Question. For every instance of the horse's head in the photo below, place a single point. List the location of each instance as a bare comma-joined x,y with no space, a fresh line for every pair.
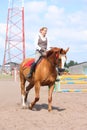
60,56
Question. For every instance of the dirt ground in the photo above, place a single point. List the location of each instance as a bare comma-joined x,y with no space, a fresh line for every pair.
69,109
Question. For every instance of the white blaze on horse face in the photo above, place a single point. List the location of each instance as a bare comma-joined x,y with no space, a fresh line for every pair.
63,59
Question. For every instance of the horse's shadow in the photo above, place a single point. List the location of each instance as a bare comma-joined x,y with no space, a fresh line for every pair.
38,107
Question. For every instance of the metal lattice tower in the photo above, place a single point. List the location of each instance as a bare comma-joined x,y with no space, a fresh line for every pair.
15,36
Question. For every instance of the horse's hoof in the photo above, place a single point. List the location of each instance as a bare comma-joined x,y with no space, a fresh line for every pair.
25,107
49,109
30,107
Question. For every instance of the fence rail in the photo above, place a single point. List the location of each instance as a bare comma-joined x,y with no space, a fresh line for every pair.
74,79
70,79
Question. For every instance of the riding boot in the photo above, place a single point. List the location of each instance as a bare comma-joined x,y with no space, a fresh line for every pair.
31,70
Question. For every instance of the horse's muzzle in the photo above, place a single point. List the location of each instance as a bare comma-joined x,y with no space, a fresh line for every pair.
61,70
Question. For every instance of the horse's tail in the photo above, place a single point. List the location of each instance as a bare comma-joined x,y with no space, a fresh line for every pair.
21,73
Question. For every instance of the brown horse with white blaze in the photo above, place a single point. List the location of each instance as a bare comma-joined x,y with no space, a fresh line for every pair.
45,74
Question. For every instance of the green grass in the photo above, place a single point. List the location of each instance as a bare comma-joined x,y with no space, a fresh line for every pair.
5,76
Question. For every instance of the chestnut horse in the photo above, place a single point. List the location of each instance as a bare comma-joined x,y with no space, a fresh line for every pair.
45,74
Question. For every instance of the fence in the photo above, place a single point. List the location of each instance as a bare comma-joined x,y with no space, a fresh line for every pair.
70,79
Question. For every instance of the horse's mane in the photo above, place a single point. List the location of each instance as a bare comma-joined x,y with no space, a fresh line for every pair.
51,51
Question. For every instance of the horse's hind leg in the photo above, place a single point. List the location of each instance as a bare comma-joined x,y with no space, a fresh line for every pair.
23,92
28,88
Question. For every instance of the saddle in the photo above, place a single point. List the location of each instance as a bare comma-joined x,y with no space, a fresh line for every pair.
31,61
28,63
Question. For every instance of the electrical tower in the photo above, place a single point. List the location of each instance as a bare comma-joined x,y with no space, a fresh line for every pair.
15,36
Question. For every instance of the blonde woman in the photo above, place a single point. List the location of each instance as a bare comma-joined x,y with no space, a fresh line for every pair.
41,45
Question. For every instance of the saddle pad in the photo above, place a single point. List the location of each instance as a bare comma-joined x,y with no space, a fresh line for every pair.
28,63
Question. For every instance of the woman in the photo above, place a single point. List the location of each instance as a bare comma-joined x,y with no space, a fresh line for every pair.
40,49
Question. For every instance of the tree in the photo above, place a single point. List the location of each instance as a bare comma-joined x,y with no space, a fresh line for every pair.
71,63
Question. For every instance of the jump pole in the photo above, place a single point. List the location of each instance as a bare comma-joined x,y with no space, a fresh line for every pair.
58,89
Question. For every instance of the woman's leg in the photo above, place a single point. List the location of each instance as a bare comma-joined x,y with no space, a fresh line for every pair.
37,56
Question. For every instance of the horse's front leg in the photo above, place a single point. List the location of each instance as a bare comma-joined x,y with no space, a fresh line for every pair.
37,90
50,91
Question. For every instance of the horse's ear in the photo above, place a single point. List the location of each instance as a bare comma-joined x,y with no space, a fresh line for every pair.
61,50
67,49
49,53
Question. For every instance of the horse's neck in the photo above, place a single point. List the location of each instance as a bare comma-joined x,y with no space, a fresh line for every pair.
52,60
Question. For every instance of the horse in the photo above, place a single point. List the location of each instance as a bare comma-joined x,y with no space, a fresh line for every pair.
45,74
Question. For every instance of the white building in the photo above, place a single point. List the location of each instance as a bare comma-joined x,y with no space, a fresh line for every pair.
80,68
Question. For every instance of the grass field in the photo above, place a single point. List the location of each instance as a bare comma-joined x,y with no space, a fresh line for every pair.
5,76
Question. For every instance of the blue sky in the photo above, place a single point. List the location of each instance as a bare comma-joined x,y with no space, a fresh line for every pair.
66,21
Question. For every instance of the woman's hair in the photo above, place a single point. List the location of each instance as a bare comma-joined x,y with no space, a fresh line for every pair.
41,29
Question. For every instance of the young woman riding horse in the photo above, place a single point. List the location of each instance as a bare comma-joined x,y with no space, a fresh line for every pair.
45,74
41,44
